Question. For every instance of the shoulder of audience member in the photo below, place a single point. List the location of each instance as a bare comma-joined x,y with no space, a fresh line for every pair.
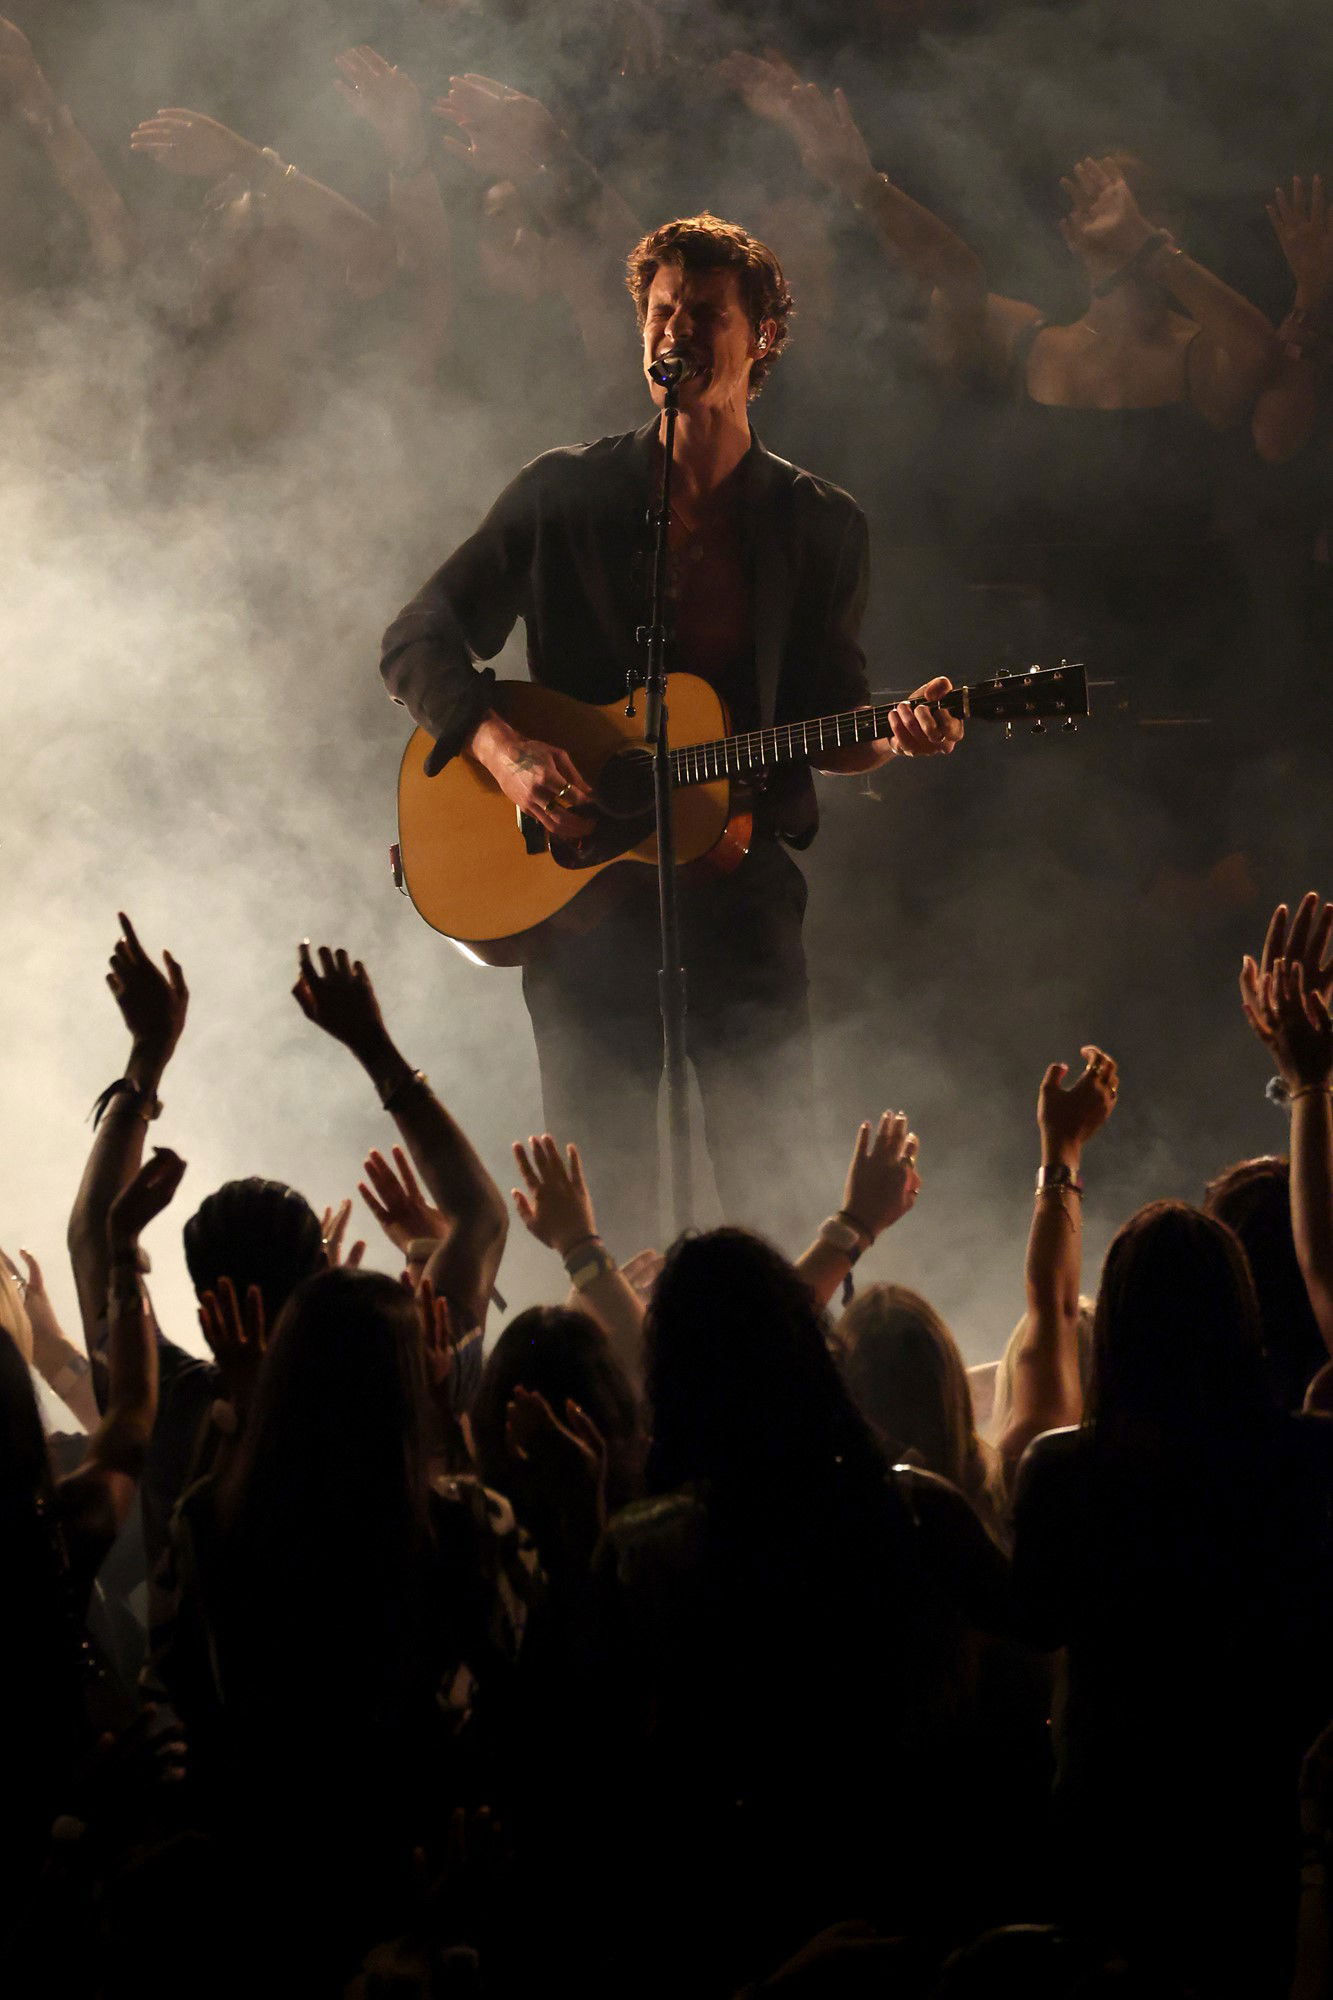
1050,1460
934,1502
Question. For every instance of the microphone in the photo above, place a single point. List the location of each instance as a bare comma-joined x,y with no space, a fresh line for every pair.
673,366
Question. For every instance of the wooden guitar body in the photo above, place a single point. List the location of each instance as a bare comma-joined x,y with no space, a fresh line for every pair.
476,872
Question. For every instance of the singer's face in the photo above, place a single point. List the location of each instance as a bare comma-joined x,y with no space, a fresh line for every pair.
701,312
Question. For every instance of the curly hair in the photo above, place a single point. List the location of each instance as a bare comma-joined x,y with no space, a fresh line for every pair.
706,243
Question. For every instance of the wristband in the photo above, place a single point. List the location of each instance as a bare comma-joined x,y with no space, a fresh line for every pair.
1310,1090
70,1375
845,1236
1151,244
141,1101
417,1080
1059,1176
588,1262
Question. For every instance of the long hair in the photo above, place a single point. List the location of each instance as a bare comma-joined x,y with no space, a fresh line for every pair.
1253,1198
255,1232
561,1354
1175,1341
331,1481
746,1398
906,1376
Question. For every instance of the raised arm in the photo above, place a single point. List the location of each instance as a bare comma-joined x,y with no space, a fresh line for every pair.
153,1002
78,170
1046,1388
95,1499
64,1367
390,102
1236,350
834,151
555,1206
1285,998
508,137
1284,416
336,994
358,251
882,1184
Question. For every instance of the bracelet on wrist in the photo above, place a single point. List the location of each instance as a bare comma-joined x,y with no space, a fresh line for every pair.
133,1095
1155,240
1310,1090
415,1080
1058,1177
587,1262
843,1234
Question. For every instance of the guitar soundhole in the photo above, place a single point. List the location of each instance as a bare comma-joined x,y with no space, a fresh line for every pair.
625,787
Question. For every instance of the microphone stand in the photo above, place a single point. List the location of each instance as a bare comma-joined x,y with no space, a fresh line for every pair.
671,989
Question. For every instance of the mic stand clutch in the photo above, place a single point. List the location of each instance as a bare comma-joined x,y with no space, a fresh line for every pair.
671,988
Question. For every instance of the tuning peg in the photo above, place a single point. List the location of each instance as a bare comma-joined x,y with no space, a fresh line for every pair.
1008,732
1069,727
1039,727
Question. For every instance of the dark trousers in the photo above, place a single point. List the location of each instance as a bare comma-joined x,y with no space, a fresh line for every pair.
593,999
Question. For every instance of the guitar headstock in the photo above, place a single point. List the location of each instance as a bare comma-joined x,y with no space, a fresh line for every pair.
1035,694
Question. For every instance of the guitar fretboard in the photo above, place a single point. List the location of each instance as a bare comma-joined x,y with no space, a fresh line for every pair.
734,756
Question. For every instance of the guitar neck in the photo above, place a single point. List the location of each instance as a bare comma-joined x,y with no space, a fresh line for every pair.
759,749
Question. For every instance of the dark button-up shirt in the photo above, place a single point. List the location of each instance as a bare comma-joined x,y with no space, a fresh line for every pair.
567,546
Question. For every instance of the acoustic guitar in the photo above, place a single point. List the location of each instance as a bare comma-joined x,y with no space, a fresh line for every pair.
491,879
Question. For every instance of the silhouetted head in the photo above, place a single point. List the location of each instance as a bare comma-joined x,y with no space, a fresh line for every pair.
25,1471
254,1232
1253,1198
908,1380
1175,1345
562,1355
744,1392
337,1447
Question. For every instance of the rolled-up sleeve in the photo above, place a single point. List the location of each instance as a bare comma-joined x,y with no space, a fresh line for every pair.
463,615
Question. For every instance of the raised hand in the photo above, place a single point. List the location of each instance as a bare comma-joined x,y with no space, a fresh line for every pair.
1294,1023
506,136
557,1206
1302,940
883,1180
395,1200
918,729
642,1271
152,1188
153,1003
1302,226
1068,1118
564,1452
823,128
1105,222
437,1340
36,1299
236,1336
21,74
388,99
338,997
332,1229
188,142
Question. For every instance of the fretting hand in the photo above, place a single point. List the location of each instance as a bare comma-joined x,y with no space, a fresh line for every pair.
153,1004
1304,228
883,1179
1067,1119
557,1207
190,143
919,729
388,99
